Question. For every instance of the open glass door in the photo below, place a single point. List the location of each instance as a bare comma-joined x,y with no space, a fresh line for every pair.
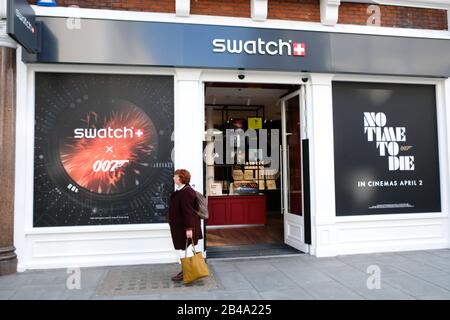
292,115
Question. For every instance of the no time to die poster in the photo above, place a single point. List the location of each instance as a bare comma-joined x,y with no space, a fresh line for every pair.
102,149
385,148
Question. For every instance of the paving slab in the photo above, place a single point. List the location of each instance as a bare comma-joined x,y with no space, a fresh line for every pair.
7,294
331,290
263,281
188,296
416,287
306,277
287,294
233,281
237,295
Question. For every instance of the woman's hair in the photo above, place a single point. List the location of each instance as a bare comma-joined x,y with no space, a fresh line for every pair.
184,175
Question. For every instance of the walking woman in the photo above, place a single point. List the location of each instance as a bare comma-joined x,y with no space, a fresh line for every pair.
184,222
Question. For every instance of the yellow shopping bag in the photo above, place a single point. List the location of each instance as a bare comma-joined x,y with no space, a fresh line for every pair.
193,267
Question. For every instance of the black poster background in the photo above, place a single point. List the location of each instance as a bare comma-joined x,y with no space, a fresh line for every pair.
67,192
357,159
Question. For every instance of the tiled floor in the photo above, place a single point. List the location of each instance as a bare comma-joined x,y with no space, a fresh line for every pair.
404,275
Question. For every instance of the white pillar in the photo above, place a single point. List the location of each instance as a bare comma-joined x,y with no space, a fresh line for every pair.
3,9
329,12
448,18
323,208
189,124
447,116
182,8
259,10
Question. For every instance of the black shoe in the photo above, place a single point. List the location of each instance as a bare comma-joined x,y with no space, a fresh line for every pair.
178,277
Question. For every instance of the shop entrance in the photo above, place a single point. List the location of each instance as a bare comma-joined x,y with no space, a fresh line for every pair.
254,170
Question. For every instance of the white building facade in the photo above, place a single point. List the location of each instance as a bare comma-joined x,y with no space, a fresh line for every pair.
332,231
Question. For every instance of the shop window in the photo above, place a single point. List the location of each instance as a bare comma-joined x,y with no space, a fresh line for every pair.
385,148
102,149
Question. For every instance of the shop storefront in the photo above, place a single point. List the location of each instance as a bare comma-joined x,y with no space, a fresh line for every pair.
110,106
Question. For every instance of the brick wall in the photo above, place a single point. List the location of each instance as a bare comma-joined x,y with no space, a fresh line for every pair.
297,10
230,8
393,16
133,5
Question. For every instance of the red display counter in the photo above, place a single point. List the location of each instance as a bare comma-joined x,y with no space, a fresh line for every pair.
234,210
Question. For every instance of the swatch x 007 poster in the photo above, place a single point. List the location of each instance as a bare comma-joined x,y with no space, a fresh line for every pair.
102,149
385,148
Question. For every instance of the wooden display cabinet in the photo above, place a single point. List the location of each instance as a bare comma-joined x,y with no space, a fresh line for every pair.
237,210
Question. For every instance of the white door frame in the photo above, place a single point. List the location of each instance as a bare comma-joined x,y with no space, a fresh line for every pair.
294,225
293,78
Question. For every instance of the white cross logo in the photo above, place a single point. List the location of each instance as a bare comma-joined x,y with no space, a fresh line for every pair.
299,49
109,149
139,133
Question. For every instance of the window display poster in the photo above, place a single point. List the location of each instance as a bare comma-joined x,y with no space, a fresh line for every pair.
102,149
385,148
238,123
254,122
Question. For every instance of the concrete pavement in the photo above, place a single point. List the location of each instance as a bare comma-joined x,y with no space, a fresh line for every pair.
402,275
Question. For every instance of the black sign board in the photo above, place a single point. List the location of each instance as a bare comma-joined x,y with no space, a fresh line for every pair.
145,43
385,148
21,25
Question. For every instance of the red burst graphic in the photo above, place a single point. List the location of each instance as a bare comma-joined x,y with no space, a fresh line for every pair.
108,164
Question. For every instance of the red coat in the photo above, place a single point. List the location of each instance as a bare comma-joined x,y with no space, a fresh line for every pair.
182,217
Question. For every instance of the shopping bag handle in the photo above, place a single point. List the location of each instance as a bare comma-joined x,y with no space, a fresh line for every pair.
193,243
